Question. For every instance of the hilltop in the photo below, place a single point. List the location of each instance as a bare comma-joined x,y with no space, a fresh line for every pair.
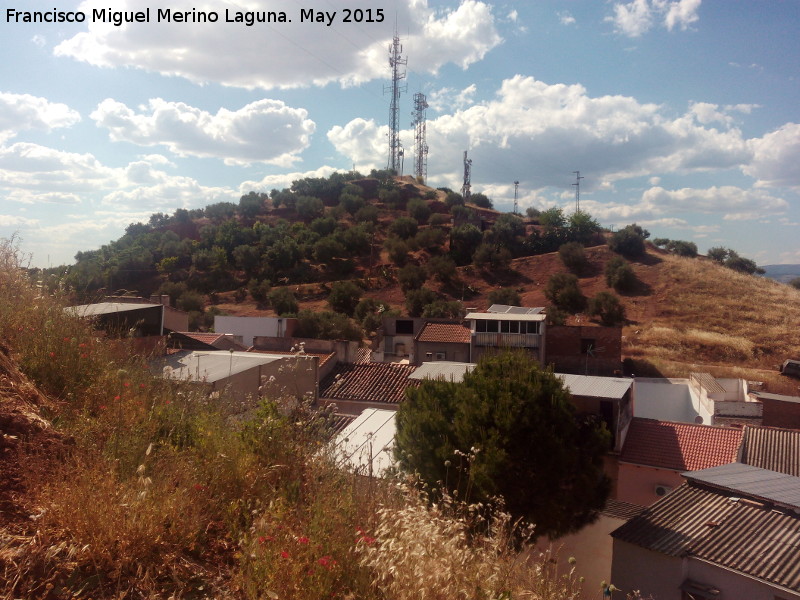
284,252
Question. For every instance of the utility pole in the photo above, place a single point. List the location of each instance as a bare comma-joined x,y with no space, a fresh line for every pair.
516,204
397,63
420,143
465,189
577,185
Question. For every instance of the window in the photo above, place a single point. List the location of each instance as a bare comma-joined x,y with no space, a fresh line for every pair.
404,327
441,356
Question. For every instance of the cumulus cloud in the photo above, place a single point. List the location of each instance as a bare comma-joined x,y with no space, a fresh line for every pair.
732,202
283,180
776,156
263,131
23,111
16,221
546,131
566,18
635,18
285,55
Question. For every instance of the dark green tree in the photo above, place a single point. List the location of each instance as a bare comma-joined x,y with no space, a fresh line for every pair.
411,277
573,256
444,309
464,240
481,200
508,296
282,301
508,430
607,307
563,291
344,297
583,228
795,283
629,241
417,300
620,275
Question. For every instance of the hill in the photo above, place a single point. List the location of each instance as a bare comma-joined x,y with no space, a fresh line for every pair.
285,252
782,273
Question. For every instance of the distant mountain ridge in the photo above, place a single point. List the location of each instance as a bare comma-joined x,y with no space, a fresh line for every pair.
782,273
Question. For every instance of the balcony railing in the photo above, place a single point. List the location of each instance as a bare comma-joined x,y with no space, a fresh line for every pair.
507,340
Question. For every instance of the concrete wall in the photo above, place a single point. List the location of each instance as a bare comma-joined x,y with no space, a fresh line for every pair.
453,352
250,327
668,400
564,349
636,483
735,585
778,413
652,573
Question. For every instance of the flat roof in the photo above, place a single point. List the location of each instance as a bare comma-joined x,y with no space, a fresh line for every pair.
515,310
366,446
211,365
504,317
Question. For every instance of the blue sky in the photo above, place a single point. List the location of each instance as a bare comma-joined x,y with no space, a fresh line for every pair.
681,115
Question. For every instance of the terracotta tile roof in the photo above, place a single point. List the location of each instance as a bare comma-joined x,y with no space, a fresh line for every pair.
453,333
772,448
372,382
206,338
679,446
363,356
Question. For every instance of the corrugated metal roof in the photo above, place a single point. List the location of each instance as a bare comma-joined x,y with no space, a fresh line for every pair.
504,317
366,445
213,365
676,522
707,381
772,448
108,308
447,370
771,486
621,510
515,310
592,386
779,397
679,446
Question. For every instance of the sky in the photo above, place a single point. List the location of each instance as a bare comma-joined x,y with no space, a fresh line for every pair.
680,115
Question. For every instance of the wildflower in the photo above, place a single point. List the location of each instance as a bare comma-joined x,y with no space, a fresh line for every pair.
52,355
102,407
302,540
117,397
284,554
83,355
142,386
127,384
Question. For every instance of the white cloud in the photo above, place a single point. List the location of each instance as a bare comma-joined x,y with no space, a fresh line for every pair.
23,111
363,142
566,18
286,55
446,99
284,180
16,221
635,18
776,156
263,131
732,202
168,194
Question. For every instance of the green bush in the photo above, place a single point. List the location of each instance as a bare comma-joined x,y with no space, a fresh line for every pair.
419,210
411,277
404,228
629,241
282,301
416,300
563,291
573,256
508,296
344,297
607,307
620,275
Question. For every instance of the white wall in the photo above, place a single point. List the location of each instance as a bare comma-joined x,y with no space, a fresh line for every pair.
249,327
668,400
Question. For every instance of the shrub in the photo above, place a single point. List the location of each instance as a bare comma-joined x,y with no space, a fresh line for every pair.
454,199
351,202
430,239
411,277
327,249
481,200
327,325
464,240
442,268
416,300
573,256
309,208
629,241
508,296
607,307
682,248
620,275
419,210
404,228
443,309
344,297
367,214
259,290
493,257
282,301
563,291
397,250
718,254
437,219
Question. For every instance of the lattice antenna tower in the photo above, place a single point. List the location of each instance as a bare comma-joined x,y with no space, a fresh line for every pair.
577,185
516,203
397,63
420,143
465,189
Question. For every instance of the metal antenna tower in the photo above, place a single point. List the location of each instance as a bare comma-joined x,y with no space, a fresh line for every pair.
397,63
465,189
577,185
421,145
516,204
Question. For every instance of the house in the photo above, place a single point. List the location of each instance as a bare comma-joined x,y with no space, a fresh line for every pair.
584,349
779,410
655,453
701,398
243,376
247,328
355,387
395,339
442,341
771,448
731,531
507,327
366,445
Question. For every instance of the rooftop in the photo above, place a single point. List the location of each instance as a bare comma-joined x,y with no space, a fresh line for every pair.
746,480
212,365
366,445
679,446
772,448
447,370
515,310
712,525
108,308
370,382
454,333
476,316
592,386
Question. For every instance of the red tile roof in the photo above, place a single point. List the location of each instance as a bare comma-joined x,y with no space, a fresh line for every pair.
679,446
444,332
372,382
206,338
323,357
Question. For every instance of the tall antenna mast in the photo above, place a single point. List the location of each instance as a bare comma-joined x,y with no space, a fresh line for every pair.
465,189
397,63
421,145
577,185
516,204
